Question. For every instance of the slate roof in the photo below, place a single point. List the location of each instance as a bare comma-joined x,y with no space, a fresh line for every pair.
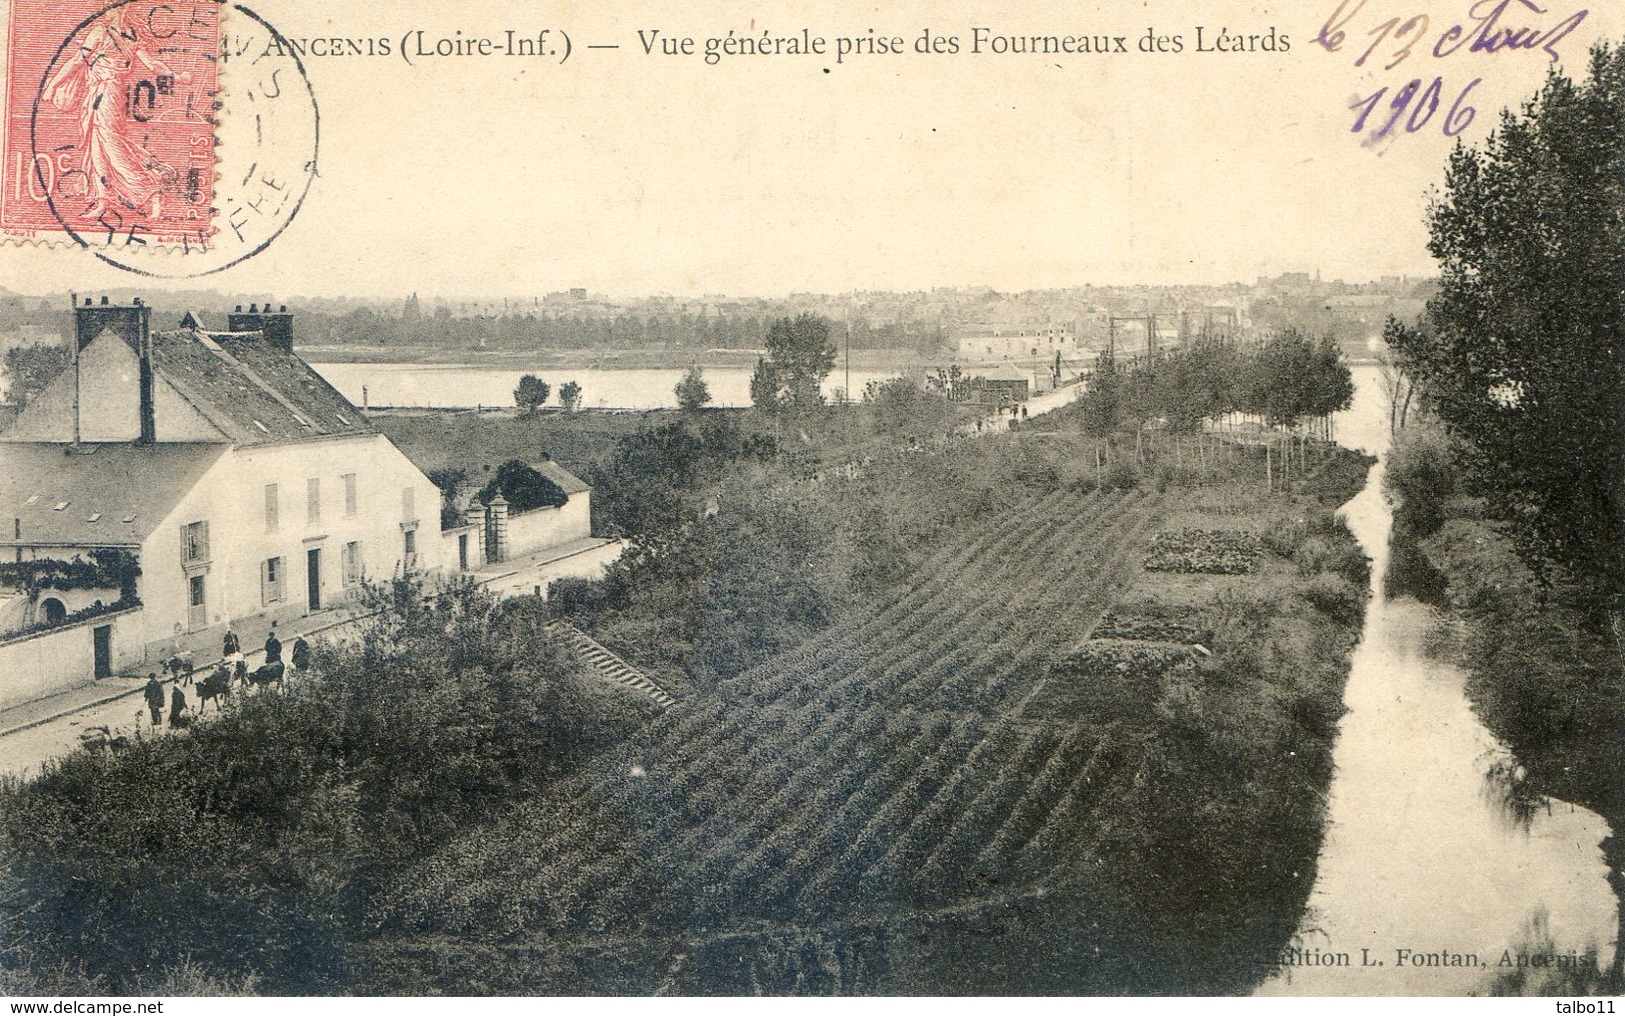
126,489
1005,372
568,482
253,391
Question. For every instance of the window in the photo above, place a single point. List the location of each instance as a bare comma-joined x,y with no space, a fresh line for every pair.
349,496
271,507
272,573
195,542
352,563
194,589
409,509
313,500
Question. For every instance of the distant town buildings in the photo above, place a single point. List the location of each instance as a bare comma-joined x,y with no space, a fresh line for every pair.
984,344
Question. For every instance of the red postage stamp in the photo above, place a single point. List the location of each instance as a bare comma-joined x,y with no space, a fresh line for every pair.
110,121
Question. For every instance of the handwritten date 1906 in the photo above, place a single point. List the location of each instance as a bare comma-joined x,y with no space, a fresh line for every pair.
1422,103
1491,26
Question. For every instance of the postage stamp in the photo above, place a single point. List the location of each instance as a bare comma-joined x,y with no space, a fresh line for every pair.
110,121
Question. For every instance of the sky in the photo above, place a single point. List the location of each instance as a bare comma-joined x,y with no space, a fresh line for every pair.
631,174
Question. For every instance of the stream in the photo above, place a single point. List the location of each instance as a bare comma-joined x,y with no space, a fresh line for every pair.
1430,881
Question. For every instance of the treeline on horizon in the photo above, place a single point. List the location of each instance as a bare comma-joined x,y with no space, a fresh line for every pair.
893,323
365,326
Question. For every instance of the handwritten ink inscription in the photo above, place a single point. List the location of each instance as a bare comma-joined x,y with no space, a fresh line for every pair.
1490,28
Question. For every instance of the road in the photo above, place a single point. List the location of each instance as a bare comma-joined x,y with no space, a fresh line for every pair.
23,753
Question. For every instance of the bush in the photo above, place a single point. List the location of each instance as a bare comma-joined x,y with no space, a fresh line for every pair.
1120,474
249,846
1335,597
523,488
1421,479
1341,557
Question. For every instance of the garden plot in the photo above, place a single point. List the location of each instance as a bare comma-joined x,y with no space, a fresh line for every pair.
1152,621
1205,551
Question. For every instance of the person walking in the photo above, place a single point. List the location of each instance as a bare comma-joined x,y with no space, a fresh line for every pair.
231,644
301,653
273,646
177,707
154,694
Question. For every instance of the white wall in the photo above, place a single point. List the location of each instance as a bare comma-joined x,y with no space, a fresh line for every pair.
1017,345
541,528
63,658
476,546
231,498
109,402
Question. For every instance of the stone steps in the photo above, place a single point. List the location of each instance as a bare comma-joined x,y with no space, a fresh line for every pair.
592,653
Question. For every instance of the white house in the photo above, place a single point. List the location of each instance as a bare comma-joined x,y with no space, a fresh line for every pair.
1030,343
241,481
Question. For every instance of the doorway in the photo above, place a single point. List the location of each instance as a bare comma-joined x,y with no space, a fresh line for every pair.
197,603
101,640
313,578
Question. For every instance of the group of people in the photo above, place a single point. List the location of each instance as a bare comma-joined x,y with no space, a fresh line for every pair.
231,649
231,652
1017,412
154,693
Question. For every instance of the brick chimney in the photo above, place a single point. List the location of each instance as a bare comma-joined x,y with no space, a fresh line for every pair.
275,325
133,323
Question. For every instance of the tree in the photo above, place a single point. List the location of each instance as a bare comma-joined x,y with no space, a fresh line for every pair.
896,402
767,391
1398,387
30,368
802,355
1283,378
531,393
523,488
692,392
1102,397
1519,353
1333,383
570,396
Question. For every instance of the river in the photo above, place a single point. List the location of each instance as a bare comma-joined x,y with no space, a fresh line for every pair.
1421,852
419,384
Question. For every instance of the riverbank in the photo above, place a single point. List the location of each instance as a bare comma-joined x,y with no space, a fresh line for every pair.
631,358
1544,665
